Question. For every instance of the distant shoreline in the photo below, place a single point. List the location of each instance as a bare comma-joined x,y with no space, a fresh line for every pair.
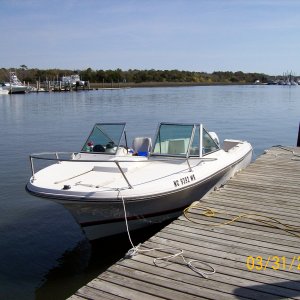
160,84
138,78
124,85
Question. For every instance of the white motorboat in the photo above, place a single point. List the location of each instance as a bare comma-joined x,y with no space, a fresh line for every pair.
3,92
14,86
152,184
72,80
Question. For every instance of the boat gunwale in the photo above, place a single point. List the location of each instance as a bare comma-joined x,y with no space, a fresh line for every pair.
137,198
171,156
116,162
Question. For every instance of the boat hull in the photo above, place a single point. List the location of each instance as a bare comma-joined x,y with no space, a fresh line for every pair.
3,92
105,217
15,89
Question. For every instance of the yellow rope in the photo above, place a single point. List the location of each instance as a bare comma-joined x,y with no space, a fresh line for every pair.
270,221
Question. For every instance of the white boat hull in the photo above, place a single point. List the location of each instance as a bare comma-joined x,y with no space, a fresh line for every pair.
14,86
15,89
101,214
3,92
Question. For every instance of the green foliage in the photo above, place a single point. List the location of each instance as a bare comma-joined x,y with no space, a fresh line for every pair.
136,76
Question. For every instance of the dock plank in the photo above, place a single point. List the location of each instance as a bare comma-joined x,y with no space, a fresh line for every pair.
270,186
111,284
233,209
217,283
88,292
251,234
143,285
227,265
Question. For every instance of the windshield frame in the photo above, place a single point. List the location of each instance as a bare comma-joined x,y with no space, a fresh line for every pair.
157,137
122,133
197,130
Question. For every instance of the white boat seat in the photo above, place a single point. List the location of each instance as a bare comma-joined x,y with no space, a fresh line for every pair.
142,144
176,147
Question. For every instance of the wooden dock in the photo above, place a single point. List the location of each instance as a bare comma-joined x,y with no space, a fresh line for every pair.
268,187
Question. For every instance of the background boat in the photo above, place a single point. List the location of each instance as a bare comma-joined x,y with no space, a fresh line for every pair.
3,91
14,86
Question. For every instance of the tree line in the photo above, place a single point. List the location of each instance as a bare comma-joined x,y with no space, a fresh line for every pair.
135,76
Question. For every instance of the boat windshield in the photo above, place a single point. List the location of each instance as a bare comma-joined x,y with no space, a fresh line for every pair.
173,139
104,138
184,140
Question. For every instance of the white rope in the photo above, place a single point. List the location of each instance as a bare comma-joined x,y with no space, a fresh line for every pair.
135,250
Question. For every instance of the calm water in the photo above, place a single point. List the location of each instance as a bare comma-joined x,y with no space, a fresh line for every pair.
43,253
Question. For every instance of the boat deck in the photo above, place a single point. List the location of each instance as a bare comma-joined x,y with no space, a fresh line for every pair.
269,187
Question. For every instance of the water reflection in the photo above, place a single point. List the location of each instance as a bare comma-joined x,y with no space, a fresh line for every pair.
86,261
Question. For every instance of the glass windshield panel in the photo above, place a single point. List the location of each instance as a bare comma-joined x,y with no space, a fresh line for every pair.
104,138
173,139
194,150
209,145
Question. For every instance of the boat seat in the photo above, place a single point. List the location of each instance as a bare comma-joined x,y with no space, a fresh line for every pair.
98,148
142,145
176,147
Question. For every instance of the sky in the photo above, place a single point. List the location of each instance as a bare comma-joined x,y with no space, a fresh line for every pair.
193,35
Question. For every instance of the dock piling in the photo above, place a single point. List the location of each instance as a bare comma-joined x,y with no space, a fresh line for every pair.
298,141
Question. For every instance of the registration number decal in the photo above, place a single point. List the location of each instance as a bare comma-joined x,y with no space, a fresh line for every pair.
184,180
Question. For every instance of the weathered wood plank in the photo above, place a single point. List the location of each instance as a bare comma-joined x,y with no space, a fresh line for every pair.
210,243
120,287
267,202
238,231
221,264
140,283
232,257
174,282
197,233
199,287
76,297
264,187
231,269
225,281
256,193
218,258
232,209
241,224
88,292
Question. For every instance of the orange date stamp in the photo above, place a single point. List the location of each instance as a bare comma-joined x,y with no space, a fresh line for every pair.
275,262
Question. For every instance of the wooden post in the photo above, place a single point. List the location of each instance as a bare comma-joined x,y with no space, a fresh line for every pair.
298,142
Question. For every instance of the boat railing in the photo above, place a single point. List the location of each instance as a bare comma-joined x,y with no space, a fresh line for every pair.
58,159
